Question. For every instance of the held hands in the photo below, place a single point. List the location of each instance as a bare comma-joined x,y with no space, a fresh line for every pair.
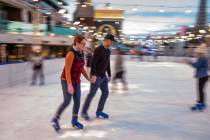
70,89
93,79
88,78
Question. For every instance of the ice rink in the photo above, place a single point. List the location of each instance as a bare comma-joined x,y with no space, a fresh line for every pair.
156,107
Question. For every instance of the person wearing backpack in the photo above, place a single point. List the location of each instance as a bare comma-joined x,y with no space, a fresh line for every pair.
70,81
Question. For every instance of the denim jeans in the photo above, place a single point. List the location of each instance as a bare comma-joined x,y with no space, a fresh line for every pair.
102,83
67,98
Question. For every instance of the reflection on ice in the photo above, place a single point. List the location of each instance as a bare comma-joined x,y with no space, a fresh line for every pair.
89,133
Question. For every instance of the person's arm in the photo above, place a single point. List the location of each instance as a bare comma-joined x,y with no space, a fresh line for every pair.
109,69
95,59
84,73
68,64
199,63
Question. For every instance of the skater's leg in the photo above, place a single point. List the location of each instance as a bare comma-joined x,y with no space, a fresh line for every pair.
41,72
200,105
76,98
93,89
34,77
105,92
125,86
66,97
202,83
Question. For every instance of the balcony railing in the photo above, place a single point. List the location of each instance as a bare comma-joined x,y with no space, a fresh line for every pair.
26,28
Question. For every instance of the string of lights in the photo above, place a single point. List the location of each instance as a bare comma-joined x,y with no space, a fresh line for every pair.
148,6
142,21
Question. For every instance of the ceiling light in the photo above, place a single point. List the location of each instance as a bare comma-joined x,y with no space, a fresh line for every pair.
73,28
82,18
85,28
161,10
60,3
202,31
76,23
192,26
172,26
62,11
91,31
188,11
135,9
109,7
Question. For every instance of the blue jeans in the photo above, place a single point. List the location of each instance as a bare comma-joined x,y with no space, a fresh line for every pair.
67,98
102,83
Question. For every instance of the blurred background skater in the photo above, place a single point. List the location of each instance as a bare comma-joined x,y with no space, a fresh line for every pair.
155,56
119,71
71,83
206,44
140,53
201,74
37,67
88,57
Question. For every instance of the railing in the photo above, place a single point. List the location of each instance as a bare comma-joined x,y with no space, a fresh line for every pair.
63,31
21,27
3,25
27,28
17,54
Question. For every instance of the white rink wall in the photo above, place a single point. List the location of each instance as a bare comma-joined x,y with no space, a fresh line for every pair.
13,74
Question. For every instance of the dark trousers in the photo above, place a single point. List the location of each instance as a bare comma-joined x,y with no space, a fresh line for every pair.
36,73
201,85
102,83
67,98
119,75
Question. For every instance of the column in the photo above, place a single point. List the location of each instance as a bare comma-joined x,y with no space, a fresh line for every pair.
24,16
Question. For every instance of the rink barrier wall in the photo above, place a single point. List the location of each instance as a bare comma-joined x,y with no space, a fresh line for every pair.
14,74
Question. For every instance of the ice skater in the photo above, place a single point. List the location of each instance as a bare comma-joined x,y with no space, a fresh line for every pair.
37,67
201,66
100,65
70,81
119,71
